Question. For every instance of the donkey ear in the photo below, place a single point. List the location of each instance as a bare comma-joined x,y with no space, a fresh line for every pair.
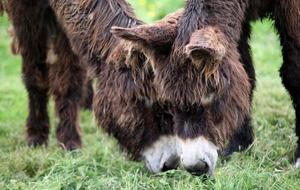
161,33
131,34
147,35
208,43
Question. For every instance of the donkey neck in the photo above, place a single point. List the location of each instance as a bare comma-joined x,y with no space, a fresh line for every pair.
87,24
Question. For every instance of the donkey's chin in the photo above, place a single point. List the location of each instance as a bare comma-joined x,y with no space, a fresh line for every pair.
198,156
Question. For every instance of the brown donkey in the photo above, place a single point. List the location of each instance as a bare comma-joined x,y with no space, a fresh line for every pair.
123,105
163,108
208,33
232,18
208,100
163,128
49,67
165,116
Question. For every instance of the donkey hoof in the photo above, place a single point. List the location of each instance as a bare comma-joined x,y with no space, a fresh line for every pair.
71,145
37,140
68,137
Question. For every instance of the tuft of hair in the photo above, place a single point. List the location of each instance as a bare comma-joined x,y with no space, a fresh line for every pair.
188,23
15,48
207,49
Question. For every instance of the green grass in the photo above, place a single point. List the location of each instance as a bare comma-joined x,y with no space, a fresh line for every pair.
101,165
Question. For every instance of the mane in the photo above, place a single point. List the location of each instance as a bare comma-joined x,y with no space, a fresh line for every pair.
88,24
188,23
108,13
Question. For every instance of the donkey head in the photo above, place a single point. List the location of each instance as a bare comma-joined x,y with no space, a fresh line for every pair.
207,90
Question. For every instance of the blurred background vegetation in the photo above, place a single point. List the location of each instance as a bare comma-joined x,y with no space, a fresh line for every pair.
150,10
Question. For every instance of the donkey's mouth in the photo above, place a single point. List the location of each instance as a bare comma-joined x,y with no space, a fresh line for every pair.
198,156
161,155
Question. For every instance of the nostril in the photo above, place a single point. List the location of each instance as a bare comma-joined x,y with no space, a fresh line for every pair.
200,168
171,164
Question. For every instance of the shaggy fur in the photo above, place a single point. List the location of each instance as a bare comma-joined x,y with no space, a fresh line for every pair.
49,67
137,100
51,64
122,102
203,102
233,17
130,106
227,17
51,60
144,90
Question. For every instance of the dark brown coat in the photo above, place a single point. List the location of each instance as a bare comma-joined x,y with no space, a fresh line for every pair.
233,18
212,97
136,100
49,67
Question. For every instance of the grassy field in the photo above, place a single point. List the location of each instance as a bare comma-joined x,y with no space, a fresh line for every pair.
101,165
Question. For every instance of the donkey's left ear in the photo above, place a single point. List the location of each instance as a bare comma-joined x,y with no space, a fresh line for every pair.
207,43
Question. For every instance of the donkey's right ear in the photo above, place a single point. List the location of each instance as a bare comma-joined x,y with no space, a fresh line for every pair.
160,35
149,36
130,34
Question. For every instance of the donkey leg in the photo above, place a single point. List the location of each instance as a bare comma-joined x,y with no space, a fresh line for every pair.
245,136
67,81
35,76
290,73
87,102
32,39
287,21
